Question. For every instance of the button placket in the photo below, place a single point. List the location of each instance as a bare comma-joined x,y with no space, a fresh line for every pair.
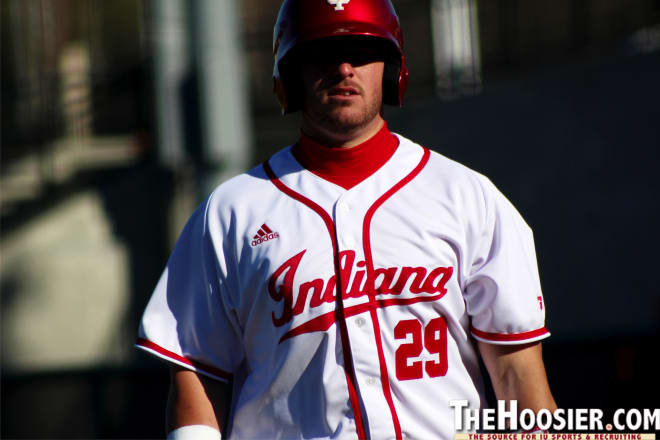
348,220
343,224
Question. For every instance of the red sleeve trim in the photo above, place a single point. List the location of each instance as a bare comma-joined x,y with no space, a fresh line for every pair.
202,367
511,337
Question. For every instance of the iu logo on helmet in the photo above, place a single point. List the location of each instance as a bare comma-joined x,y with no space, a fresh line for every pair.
338,4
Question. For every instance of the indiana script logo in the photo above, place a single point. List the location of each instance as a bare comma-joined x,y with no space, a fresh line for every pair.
381,282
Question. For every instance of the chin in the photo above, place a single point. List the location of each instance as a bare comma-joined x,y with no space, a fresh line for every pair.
344,126
346,120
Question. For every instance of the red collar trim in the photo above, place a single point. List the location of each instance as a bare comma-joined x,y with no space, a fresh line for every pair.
346,167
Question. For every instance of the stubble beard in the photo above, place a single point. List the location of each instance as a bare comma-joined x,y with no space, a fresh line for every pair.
342,119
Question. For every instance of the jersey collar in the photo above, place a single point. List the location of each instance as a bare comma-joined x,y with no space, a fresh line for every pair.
346,167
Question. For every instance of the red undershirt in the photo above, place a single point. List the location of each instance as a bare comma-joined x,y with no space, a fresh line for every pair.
346,167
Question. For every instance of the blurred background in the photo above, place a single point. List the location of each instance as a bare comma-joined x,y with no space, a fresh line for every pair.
119,116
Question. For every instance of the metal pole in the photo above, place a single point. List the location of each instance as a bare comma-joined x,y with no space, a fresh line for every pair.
455,30
171,64
226,131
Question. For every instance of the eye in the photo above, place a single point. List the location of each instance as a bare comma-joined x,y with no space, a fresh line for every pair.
333,58
332,53
362,56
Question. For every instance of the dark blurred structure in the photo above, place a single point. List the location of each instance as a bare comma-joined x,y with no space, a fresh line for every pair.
555,100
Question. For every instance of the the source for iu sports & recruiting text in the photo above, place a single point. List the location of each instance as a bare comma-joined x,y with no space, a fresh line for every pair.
506,422
555,436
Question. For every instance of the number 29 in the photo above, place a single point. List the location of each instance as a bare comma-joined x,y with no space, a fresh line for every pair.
433,338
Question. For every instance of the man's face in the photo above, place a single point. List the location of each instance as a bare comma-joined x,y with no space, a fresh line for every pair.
343,86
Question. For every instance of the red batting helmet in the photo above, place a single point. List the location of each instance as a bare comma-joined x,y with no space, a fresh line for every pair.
303,21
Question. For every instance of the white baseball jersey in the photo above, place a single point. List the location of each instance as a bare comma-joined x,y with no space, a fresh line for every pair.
427,254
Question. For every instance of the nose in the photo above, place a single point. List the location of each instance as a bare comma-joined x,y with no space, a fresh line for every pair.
345,69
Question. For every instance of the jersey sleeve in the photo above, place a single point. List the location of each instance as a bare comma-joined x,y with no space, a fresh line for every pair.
502,291
190,319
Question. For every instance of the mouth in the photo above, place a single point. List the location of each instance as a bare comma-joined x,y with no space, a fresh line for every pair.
342,92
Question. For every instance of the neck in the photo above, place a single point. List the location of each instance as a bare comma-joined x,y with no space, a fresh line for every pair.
348,139
346,167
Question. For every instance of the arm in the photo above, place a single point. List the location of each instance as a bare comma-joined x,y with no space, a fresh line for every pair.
196,400
517,373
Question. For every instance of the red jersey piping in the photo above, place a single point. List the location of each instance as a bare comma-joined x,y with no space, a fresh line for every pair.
165,353
349,370
339,314
366,239
510,337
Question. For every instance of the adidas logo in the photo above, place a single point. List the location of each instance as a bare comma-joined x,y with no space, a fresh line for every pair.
264,234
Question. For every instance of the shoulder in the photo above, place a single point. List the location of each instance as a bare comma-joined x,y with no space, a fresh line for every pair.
447,176
248,189
472,196
230,209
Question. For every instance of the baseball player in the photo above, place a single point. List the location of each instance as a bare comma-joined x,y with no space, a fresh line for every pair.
346,287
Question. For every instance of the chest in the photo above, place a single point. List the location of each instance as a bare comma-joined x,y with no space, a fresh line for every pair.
370,250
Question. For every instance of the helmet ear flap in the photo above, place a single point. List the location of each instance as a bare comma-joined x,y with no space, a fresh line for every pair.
395,81
402,84
280,92
395,75
288,86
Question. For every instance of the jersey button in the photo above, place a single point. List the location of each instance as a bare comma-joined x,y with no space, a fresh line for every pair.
371,380
345,207
360,321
